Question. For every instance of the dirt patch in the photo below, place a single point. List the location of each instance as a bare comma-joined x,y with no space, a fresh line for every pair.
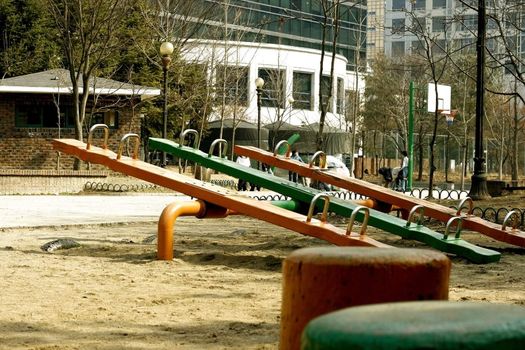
222,290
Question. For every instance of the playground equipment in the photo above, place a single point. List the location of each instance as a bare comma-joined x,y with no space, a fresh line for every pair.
406,229
208,193
436,211
318,280
414,325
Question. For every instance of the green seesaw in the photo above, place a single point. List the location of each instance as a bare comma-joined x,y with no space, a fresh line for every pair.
449,242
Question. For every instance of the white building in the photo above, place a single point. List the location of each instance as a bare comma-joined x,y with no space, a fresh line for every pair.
292,81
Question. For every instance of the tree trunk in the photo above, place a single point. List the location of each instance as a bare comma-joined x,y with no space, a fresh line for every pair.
431,157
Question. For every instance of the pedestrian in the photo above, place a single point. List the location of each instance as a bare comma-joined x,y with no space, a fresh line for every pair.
291,175
404,171
242,185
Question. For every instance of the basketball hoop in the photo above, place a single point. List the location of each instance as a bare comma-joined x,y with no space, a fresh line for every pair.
450,115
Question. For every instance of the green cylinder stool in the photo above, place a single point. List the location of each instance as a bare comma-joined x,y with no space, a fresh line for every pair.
419,325
320,280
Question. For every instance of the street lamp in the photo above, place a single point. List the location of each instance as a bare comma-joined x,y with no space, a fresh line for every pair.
290,104
259,83
478,187
166,49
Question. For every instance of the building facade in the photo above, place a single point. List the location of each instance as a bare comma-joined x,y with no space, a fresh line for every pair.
292,82
375,36
281,41
36,108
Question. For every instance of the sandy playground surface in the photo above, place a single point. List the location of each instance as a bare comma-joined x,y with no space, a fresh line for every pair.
222,290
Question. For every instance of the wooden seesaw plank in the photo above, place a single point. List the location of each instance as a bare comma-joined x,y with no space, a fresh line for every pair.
433,210
213,194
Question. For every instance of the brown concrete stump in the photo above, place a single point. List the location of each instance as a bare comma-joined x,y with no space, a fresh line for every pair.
323,279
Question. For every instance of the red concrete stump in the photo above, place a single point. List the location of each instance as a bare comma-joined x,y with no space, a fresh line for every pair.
324,279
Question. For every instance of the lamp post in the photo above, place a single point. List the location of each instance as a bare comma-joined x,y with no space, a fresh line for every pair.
259,83
478,188
290,104
166,49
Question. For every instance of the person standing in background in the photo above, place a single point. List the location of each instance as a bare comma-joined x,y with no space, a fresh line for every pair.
291,175
404,171
242,185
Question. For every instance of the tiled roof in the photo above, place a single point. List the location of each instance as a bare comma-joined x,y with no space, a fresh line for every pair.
58,81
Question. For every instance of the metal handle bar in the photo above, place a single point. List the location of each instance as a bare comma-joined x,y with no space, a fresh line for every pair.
215,142
352,219
322,159
450,222
279,144
462,205
324,215
507,218
90,135
189,131
419,209
135,149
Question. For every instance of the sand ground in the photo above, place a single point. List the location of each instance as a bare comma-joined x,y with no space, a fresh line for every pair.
222,290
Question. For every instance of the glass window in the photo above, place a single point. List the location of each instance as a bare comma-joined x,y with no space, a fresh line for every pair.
340,104
419,5
466,3
295,4
417,47
232,85
439,4
302,90
509,68
398,5
43,116
439,47
398,48
469,23
273,90
419,24
398,25
110,118
439,24
468,44
28,116
326,91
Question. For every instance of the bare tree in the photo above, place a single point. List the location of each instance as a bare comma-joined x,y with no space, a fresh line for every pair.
89,37
506,26
434,52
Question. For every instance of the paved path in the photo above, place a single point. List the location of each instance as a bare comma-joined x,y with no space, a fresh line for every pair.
34,211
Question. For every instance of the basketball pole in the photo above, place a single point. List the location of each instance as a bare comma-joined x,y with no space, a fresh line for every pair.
410,135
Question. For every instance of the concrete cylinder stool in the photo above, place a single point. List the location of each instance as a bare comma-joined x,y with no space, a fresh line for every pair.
419,325
324,279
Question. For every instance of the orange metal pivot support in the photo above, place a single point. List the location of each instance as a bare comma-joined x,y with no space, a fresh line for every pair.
198,208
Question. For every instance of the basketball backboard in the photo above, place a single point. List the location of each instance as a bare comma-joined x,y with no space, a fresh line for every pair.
443,102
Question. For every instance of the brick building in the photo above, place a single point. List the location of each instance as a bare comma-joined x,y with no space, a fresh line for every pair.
36,108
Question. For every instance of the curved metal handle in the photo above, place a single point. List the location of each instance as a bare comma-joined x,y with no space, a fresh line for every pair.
324,215
462,205
279,144
322,159
215,142
90,135
352,219
450,222
186,132
507,218
135,149
416,209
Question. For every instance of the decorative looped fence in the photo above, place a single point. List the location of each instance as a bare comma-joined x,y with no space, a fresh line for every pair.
495,215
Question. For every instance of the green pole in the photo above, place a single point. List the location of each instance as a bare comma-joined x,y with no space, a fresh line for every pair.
410,134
